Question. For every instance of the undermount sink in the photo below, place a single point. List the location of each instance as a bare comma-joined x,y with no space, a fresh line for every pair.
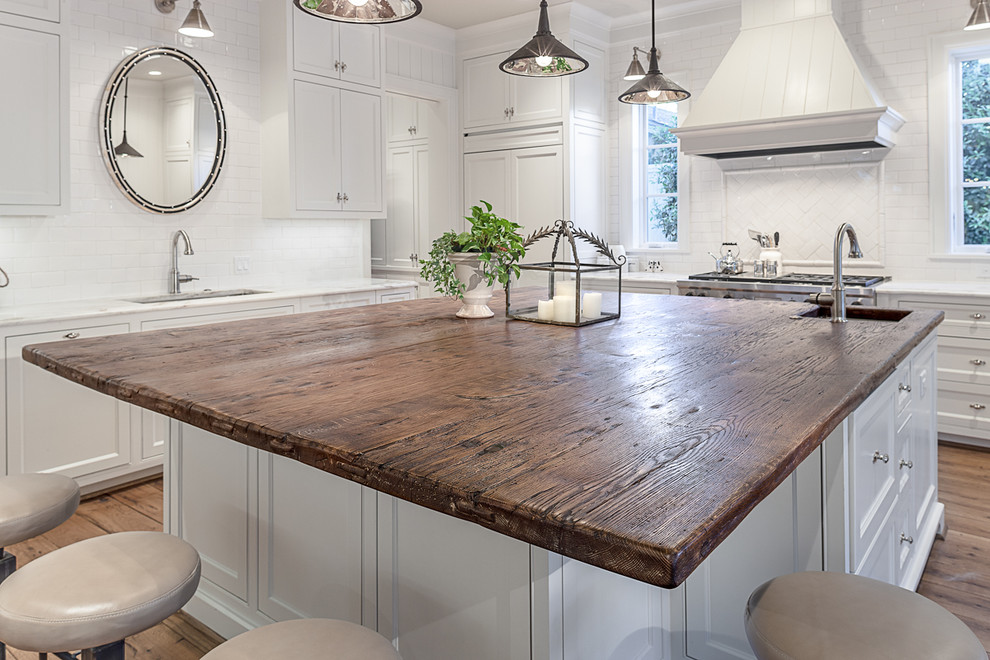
195,295
856,312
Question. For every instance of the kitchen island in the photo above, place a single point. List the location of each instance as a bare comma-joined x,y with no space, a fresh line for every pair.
635,446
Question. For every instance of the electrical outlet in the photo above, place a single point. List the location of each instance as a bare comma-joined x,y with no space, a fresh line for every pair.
242,264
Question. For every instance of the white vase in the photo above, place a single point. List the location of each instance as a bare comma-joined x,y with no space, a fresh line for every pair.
467,268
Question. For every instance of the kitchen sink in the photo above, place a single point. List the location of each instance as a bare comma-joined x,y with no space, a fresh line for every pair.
195,295
856,312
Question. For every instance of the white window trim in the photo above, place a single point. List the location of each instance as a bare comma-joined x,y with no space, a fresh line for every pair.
944,136
632,183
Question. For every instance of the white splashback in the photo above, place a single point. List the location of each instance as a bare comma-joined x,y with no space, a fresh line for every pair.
806,204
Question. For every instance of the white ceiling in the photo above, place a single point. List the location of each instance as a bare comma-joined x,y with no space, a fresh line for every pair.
462,13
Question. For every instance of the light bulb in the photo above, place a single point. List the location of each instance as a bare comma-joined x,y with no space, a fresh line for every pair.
359,3
653,93
544,60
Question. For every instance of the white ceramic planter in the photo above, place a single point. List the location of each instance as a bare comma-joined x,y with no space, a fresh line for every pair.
467,268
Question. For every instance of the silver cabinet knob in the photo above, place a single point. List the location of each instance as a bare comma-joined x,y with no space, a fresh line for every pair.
978,362
877,456
343,67
336,65
978,316
903,388
506,113
72,335
977,406
906,464
905,537
346,199
339,197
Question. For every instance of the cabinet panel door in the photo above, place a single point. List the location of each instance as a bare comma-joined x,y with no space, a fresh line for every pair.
30,129
588,207
55,425
589,87
315,47
538,193
924,438
487,177
449,588
317,146
535,99
310,542
360,54
485,93
361,151
403,230
401,117
48,10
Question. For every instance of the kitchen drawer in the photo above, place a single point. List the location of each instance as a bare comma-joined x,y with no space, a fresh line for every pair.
964,360
339,301
964,409
960,320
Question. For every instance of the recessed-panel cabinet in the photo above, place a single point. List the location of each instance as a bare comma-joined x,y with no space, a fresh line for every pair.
491,98
48,10
408,204
343,52
408,118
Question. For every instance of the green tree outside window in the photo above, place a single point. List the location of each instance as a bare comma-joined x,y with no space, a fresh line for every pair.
976,151
661,174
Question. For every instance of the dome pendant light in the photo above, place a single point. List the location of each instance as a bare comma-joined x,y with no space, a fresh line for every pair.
980,20
195,24
544,55
635,70
124,149
655,87
361,11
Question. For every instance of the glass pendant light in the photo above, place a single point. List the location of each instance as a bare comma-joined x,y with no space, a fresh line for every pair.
544,55
654,87
195,24
362,11
124,149
635,70
980,20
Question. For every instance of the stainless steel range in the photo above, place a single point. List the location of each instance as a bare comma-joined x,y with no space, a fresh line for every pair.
794,286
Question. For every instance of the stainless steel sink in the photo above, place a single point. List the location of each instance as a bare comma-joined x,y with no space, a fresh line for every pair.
856,312
195,295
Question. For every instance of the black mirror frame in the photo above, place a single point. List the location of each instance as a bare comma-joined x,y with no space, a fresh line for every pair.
114,87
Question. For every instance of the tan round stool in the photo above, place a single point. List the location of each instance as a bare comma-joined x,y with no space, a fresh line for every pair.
807,616
327,639
92,594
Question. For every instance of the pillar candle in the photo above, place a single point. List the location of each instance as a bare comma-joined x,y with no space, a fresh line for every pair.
564,288
563,308
592,304
544,310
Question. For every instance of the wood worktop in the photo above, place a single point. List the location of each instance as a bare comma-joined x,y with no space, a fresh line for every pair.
635,445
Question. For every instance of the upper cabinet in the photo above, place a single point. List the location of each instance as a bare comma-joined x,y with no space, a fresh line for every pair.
408,118
323,137
492,98
34,163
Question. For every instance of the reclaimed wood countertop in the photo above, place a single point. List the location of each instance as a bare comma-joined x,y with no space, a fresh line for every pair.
634,445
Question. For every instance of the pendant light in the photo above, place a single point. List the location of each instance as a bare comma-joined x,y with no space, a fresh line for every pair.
655,87
124,149
980,20
362,11
195,24
544,55
635,70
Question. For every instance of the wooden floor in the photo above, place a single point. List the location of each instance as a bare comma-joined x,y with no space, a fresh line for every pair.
957,575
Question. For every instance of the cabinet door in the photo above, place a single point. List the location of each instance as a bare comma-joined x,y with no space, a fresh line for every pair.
31,128
485,96
55,425
360,54
401,117
44,9
535,99
924,437
315,45
589,88
538,193
317,146
338,301
487,177
403,218
360,151
588,206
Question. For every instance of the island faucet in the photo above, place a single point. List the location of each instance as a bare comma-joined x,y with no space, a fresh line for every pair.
175,280
838,288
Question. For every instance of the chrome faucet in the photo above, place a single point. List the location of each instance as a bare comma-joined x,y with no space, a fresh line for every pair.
838,288
174,278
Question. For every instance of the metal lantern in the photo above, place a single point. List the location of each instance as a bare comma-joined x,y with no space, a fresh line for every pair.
567,300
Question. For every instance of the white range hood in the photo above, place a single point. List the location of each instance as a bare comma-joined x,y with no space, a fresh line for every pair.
788,85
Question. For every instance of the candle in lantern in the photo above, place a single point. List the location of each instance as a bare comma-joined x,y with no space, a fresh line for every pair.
544,310
563,308
592,304
565,288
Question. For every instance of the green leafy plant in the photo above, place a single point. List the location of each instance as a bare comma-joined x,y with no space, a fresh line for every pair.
495,239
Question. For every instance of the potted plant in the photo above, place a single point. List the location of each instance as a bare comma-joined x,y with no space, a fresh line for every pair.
466,265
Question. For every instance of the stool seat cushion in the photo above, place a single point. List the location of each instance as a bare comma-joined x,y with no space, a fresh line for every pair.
97,591
327,639
32,504
833,615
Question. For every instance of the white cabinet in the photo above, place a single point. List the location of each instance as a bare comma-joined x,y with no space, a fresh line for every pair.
408,205
55,425
332,50
409,118
491,98
48,10
34,131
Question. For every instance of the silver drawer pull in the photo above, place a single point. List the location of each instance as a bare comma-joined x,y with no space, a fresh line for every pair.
978,362
979,316
877,456
72,335
905,537
906,464
903,388
977,406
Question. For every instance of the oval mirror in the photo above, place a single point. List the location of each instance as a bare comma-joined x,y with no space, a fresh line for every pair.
162,130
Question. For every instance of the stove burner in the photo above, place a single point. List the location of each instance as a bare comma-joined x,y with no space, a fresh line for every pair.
815,279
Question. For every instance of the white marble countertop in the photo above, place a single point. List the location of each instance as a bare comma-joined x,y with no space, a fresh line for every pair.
976,288
80,309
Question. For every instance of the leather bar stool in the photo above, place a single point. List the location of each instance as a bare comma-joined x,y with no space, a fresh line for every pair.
820,615
92,594
327,639
30,505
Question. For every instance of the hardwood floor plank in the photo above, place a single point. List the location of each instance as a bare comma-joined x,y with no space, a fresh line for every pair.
145,498
113,515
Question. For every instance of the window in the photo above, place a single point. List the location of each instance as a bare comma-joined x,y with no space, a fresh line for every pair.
660,197
973,153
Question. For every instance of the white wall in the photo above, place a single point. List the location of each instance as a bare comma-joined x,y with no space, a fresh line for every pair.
107,247
890,39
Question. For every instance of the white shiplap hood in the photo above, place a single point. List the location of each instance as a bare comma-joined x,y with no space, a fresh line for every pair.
788,85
